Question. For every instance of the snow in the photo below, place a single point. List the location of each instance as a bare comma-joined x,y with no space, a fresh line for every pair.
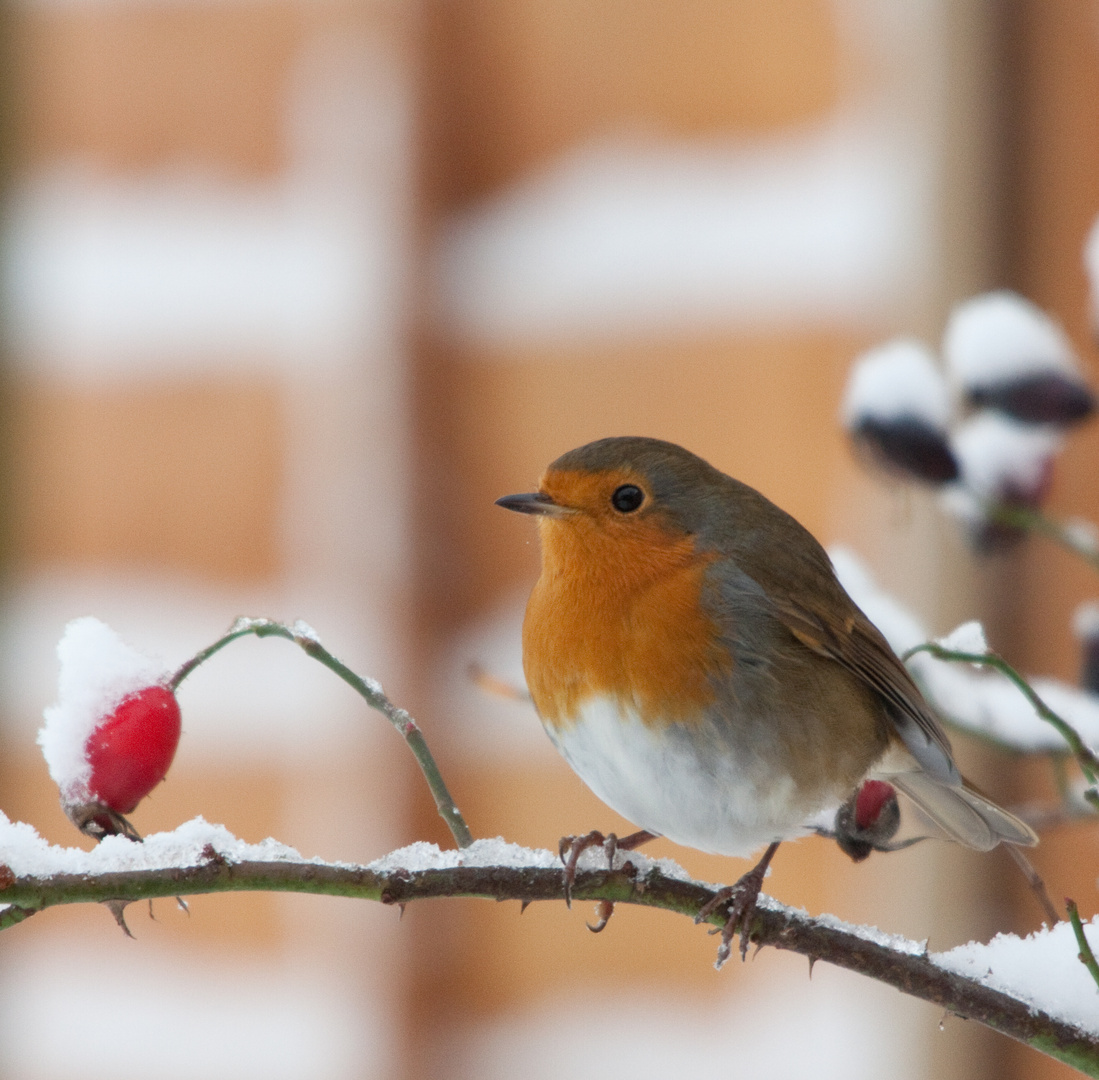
98,671
996,453
1041,969
896,380
988,704
422,856
998,457
894,942
1085,621
27,854
998,337
981,701
967,638
249,701
303,630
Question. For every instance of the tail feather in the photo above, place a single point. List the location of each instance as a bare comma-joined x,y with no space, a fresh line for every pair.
965,816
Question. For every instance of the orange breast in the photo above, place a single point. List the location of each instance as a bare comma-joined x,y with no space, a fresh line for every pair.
618,614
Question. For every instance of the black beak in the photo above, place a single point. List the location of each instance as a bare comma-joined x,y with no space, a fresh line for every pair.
533,503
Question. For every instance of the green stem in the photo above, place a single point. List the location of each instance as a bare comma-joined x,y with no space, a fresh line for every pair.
1087,957
1072,537
368,689
1085,757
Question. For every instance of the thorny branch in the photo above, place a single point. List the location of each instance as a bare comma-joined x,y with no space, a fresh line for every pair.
911,970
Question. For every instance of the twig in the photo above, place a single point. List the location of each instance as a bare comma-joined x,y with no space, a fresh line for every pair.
1085,757
1034,880
909,969
368,689
1077,537
1087,957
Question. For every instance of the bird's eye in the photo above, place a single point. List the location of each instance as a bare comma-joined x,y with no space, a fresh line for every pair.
627,498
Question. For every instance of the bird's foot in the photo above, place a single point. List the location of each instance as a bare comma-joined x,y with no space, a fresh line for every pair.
570,848
740,903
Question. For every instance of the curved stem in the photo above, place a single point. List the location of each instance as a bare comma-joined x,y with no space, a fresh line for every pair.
1076,537
368,689
1085,757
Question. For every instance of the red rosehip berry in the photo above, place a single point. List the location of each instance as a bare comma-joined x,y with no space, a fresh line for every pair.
130,751
868,821
872,796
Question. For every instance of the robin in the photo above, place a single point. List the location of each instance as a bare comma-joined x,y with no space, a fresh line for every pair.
694,658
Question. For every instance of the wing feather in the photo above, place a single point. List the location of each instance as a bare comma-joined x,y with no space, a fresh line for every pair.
860,647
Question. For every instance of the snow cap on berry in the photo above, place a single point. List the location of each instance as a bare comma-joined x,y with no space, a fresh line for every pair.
1002,462
1002,459
98,672
1009,355
897,408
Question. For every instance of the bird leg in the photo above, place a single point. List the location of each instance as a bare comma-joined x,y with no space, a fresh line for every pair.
741,905
570,848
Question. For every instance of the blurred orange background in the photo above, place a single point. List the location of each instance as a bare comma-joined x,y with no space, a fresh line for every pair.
293,291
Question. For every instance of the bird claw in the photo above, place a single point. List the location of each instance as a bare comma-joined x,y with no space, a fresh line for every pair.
604,910
740,902
570,848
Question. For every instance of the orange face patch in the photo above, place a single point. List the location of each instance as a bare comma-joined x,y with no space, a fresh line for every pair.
616,610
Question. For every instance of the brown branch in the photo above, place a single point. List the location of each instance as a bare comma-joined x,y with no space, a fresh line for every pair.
908,969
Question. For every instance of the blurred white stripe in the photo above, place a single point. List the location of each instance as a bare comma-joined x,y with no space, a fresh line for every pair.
831,225
105,275
121,1008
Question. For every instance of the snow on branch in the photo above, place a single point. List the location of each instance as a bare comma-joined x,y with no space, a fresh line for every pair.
1032,989
984,704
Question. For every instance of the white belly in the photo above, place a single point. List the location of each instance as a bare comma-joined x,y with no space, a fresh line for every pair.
694,792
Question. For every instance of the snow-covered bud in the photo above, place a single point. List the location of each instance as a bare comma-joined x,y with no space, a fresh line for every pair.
869,820
1003,463
1009,355
896,409
111,736
1086,625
